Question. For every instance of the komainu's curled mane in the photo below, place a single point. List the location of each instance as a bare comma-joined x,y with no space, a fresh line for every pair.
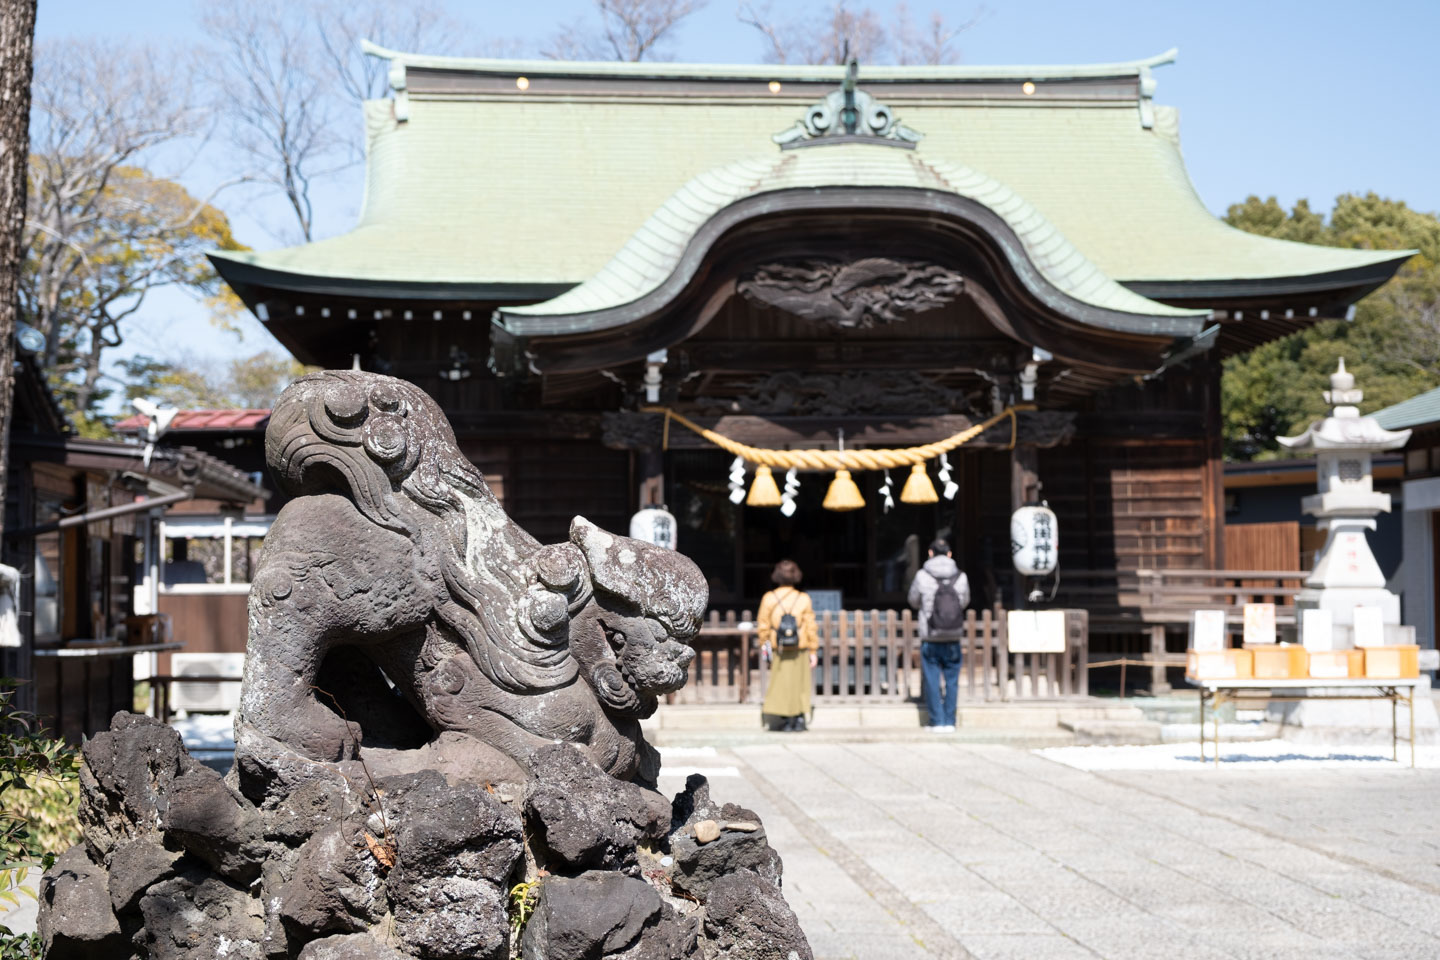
395,562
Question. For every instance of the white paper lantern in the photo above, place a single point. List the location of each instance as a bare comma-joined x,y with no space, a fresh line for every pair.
654,525
1034,541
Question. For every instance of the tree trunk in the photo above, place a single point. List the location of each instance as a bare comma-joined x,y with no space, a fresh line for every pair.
17,39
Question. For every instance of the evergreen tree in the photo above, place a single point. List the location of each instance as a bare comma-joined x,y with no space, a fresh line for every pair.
1392,346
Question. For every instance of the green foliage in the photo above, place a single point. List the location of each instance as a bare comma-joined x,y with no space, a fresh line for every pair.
1392,346
38,796
94,252
523,897
252,382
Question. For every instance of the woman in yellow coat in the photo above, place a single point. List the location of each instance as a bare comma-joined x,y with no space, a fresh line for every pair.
793,644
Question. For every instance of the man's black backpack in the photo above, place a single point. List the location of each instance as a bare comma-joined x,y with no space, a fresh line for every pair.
947,615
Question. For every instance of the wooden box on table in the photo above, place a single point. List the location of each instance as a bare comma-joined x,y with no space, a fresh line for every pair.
1229,664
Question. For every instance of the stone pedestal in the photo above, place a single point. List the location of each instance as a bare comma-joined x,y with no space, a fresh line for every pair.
1346,575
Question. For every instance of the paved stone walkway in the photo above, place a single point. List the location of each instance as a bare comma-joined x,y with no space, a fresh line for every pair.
919,851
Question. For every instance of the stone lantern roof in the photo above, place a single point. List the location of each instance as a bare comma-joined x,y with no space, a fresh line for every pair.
1345,429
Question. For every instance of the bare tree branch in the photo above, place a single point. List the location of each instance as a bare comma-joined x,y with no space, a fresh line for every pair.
629,30
419,25
826,37
271,90
101,231
935,43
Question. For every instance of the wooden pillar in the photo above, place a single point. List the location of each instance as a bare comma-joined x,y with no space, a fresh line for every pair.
1159,682
1024,488
651,474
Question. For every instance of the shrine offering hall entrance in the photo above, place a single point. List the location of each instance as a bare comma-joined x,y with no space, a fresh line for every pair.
865,558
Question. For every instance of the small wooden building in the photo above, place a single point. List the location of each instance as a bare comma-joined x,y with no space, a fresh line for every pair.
788,253
82,523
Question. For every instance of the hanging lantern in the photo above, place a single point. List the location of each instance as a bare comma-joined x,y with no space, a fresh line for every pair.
763,491
918,488
1035,540
654,525
843,494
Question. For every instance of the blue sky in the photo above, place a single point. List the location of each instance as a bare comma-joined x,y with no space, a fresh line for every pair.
1291,99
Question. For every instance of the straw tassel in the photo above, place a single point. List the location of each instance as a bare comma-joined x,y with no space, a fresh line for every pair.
763,491
918,488
843,494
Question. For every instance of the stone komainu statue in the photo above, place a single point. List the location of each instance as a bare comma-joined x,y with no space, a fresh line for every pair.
438,714
397,563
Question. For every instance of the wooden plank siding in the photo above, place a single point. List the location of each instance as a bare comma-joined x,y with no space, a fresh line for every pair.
1131,504
1263,546
206,622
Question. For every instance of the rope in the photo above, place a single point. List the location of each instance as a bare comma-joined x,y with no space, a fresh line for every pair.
883,459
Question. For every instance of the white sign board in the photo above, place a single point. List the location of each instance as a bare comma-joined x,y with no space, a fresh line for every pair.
1207,630
1035,631
1317,630
654,525
1259,623
1369,627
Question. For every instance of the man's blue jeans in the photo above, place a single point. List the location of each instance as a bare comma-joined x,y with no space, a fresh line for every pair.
939,660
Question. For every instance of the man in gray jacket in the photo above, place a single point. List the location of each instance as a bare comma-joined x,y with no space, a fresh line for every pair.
940,592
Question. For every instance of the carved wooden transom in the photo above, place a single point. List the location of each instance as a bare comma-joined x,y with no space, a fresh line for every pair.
858,294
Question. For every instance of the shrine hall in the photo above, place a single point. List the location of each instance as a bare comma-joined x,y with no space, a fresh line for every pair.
800,258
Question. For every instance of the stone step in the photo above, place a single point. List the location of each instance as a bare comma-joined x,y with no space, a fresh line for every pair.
1113,732
725,739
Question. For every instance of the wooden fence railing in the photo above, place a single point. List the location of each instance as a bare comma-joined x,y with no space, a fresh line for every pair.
874,655
1121,600
1158,605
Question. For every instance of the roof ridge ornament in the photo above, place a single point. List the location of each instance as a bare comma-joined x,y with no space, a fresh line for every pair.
848,114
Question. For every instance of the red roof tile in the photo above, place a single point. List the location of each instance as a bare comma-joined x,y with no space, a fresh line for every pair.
196,420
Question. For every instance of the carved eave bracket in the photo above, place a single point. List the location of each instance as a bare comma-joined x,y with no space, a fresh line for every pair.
848,114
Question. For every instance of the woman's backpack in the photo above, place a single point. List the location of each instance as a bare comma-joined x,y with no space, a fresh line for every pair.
787,631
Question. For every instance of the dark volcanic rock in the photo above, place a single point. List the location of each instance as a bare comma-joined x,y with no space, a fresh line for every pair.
198,916
212,821
308,809
597,914
697,865
337,885
444,828
125,782
455,848
747,918
454,918
135,866
351,947
76,920
586,818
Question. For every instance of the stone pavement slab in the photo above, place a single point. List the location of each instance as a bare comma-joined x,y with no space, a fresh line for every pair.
955,850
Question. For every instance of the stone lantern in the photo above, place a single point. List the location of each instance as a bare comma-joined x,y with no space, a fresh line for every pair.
1346,575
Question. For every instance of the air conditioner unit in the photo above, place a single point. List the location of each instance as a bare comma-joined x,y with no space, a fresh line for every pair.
206,696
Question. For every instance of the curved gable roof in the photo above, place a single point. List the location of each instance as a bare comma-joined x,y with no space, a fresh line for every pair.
654,251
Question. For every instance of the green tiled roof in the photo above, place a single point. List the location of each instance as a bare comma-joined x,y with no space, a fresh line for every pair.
497,187
649,256
1424,408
